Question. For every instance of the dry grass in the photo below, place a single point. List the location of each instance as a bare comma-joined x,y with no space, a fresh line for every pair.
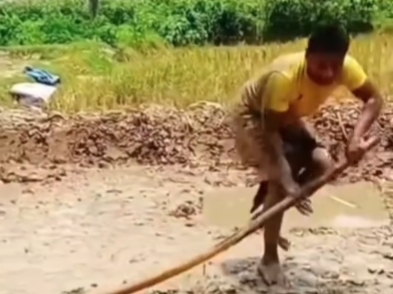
100,78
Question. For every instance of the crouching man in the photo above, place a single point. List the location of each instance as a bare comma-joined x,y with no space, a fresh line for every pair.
272,137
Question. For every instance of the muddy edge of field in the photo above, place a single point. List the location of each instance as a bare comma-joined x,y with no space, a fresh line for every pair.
46,148
197,137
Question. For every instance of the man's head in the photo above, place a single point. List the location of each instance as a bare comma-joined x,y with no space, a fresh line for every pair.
325,53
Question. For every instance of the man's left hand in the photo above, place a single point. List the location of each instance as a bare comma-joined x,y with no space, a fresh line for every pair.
355,150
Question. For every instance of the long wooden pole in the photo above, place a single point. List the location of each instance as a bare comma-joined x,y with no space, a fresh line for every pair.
239,235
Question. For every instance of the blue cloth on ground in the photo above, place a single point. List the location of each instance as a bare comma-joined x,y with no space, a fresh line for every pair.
42,76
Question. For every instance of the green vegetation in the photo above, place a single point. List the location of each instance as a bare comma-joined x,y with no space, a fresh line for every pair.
124,53
141,23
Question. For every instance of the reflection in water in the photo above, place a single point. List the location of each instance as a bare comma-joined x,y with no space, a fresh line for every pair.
352,205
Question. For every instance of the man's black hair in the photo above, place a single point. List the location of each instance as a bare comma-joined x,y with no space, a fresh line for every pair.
329,38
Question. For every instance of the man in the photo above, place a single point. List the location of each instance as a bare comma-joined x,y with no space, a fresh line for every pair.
272,137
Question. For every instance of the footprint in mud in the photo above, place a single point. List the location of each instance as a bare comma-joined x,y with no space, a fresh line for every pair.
302,277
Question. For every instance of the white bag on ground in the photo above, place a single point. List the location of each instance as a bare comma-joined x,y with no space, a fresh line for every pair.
32,94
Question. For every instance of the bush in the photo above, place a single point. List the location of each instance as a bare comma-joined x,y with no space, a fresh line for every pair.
176,22
288,18
180,22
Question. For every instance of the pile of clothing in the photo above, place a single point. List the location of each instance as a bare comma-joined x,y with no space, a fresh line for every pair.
35,94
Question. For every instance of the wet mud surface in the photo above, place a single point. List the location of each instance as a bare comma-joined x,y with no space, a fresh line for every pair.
100,229
92,203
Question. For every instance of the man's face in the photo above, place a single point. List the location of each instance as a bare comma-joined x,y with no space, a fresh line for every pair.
324,68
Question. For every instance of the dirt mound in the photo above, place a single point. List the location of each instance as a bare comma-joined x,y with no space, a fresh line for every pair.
334,125
153,135
157,135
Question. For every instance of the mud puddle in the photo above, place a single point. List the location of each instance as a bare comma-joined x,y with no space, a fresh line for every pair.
346,206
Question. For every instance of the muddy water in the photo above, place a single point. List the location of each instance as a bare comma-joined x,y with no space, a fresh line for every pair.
347,206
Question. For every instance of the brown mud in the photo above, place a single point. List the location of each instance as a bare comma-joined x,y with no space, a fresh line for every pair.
93,202
199,136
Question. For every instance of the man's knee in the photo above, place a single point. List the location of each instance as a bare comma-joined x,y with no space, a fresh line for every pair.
322,159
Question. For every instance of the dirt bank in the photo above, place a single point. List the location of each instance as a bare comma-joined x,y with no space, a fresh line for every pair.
100,228
199,136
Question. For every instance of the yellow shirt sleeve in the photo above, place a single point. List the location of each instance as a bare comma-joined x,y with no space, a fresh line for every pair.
276,95
353,75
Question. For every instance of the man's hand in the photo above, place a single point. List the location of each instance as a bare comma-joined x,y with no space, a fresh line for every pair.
372,99
304,206
355,150
292,189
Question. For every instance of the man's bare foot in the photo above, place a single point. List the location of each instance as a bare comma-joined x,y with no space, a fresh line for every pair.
304,207
284,243
272,273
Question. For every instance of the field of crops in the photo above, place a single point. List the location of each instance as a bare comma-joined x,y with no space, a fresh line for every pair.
99,77
137,52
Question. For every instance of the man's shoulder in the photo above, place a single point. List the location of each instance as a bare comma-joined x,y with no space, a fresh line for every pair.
286,62
350,62
283,69
289,65
353,74
349,57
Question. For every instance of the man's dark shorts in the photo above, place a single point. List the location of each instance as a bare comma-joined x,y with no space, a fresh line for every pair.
298,146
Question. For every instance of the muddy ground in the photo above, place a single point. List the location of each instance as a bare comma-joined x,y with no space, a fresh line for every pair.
90,203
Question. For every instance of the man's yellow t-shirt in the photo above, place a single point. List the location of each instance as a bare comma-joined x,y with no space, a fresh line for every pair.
284,85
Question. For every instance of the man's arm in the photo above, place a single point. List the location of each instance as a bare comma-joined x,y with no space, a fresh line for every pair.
274,111
373,103
278,168
356,80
